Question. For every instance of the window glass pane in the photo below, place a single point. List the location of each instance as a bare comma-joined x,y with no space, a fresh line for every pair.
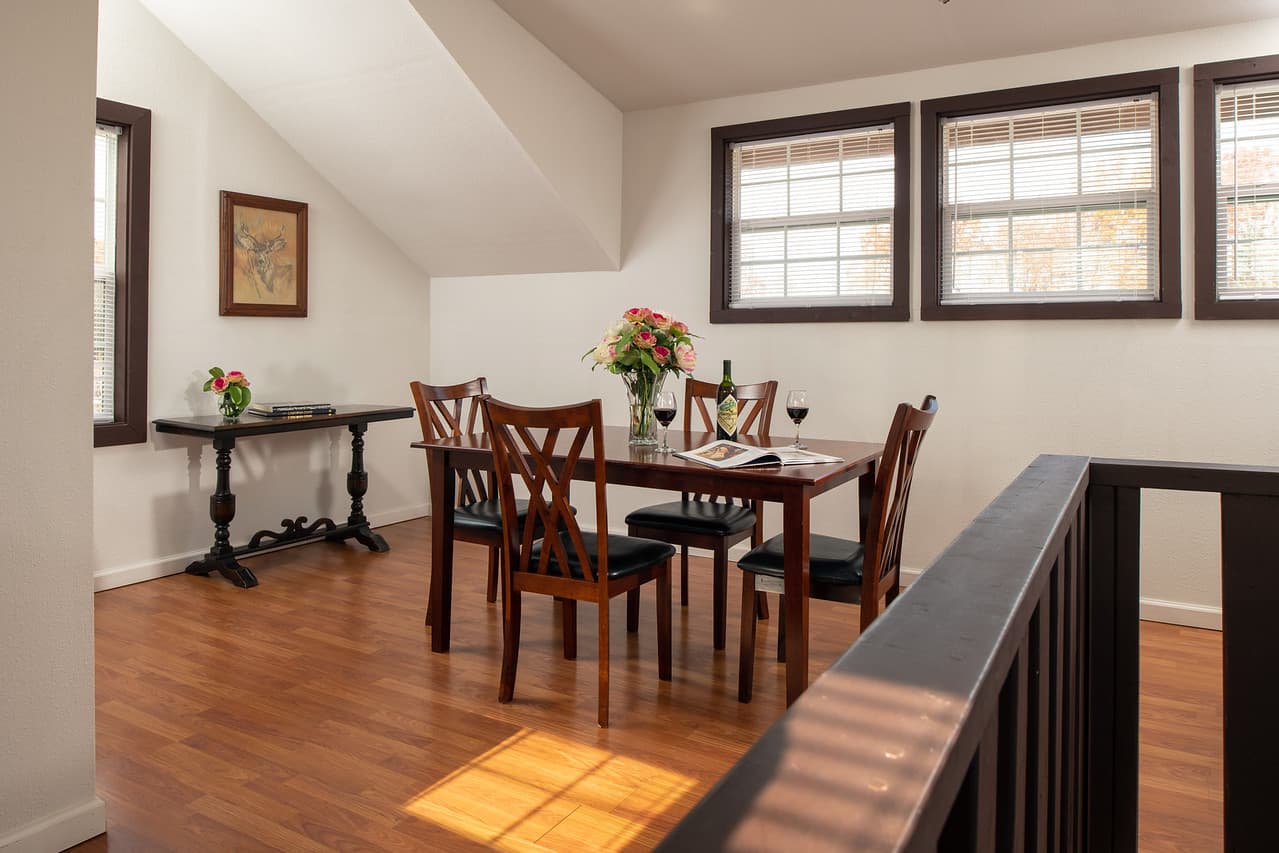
105,153
1248,190
1069,191
813,219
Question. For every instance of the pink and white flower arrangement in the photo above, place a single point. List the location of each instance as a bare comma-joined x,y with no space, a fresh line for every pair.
232,388
646,342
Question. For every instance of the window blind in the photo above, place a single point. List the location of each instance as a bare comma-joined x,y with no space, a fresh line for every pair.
812,220
1055,204
1248,190
105,155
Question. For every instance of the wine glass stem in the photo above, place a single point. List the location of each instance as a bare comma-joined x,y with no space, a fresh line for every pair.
797,435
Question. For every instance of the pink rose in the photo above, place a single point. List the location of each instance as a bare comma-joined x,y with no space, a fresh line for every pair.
638,315
644,339
685,358
233,375
661,321
679,329
661,354
219,384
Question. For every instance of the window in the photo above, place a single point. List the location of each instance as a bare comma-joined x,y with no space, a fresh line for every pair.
121,222
1237,189
1055,201
810,218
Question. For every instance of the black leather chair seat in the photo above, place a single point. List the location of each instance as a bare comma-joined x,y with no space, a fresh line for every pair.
485,515
626,554
830,560
721,519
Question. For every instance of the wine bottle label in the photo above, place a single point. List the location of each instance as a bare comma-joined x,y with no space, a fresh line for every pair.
727,415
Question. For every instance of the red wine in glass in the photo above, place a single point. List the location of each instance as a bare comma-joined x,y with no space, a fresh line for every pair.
797,410
664,411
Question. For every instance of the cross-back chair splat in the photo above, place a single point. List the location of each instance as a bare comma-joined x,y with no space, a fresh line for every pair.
451,411
567,562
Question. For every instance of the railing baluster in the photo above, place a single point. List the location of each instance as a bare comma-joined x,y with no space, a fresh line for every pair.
1249,596
1056,701
1014,738
1039,648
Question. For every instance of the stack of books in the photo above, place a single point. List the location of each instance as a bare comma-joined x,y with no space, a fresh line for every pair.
302,409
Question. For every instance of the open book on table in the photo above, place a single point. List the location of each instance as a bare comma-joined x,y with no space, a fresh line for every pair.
729,454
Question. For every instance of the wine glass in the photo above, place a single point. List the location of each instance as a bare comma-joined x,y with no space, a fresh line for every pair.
797,410
664,411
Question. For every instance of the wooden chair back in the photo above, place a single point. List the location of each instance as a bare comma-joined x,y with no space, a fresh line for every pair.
886,524
525,443
449,411
754,406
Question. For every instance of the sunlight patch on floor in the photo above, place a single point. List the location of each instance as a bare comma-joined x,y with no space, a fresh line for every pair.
535,791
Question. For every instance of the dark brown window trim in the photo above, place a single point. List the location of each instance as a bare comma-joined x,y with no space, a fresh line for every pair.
133,218
1165,83
1207,77
723,137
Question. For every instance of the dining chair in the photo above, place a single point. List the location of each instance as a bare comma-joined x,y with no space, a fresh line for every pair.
568,563
451,411
708,521
839,569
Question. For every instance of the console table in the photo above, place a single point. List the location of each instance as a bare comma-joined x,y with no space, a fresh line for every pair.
222,557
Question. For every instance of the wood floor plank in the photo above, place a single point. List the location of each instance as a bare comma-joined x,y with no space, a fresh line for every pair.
310,713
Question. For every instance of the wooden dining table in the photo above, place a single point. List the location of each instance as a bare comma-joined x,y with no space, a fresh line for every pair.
792,486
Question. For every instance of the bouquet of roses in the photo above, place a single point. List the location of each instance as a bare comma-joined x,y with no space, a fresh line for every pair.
645,341
232,387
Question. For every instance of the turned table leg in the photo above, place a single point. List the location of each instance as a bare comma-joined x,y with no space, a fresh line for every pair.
221,557
357,484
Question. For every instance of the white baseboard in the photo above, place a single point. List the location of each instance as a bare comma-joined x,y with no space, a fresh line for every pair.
111,578
60,830
1151,609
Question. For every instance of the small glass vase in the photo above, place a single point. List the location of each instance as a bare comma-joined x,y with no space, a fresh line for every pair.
641,391
231,410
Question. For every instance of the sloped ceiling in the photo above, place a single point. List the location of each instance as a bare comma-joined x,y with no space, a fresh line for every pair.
650,53
373,99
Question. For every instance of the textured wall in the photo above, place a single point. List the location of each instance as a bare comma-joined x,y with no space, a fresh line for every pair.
46,586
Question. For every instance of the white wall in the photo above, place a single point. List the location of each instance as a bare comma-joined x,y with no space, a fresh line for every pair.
47,799
1008,390
364,338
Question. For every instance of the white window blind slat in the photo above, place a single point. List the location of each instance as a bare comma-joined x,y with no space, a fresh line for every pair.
1248,191
1056,204
812,220
105,179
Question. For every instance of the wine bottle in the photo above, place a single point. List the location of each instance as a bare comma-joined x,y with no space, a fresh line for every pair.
726,405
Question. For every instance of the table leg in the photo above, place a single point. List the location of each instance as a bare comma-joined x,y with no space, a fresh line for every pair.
221,557
795,529
443,487
357,484
865,491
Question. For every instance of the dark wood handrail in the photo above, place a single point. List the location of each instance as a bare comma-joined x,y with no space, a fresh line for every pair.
994,705
874,755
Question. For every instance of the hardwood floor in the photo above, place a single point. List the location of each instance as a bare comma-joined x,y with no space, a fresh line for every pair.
310,714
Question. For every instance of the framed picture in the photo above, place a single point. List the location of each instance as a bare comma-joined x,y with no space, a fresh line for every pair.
262,255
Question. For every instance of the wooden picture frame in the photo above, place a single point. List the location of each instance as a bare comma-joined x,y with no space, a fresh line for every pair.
262,253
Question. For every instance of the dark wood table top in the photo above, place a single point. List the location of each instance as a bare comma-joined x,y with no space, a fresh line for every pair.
207,426
621,455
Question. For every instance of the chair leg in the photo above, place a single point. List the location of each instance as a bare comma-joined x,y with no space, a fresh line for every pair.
746,655
683,576
664,623
510,645
603,690
719,614
568,624
761,605
781,629
632,610
494,563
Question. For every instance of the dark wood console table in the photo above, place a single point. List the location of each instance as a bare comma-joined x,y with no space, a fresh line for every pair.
222,557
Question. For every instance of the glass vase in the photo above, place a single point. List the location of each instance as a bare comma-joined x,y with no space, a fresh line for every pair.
641,391
230,409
